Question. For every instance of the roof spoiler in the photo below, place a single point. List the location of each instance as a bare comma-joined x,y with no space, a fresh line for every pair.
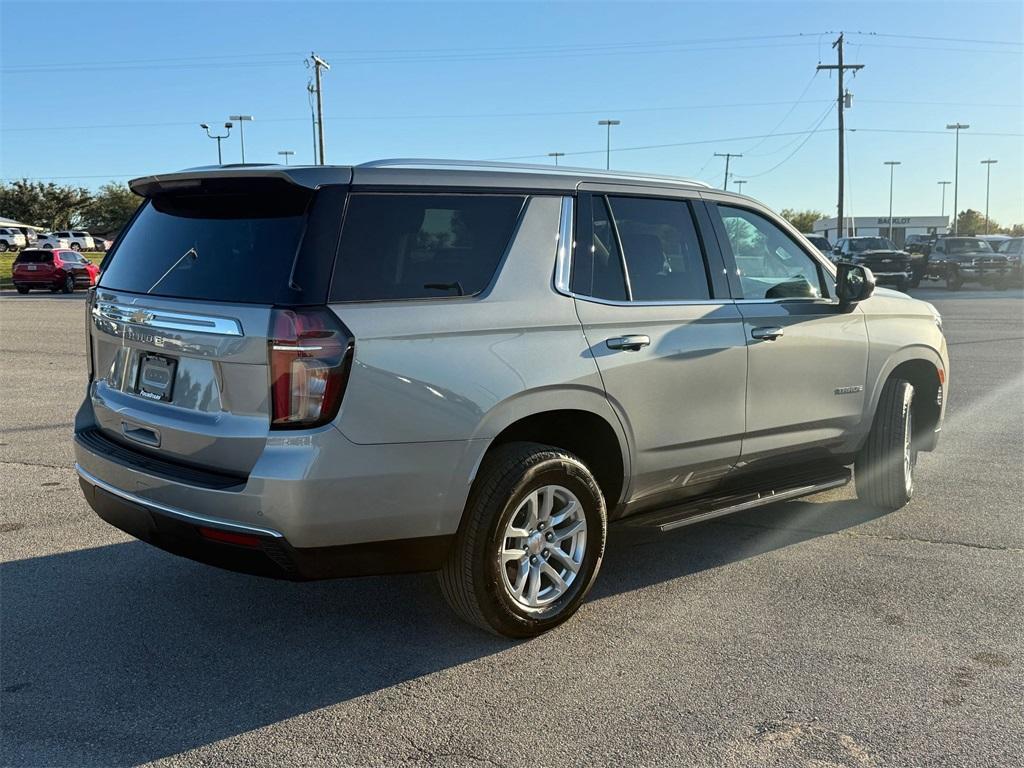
150,186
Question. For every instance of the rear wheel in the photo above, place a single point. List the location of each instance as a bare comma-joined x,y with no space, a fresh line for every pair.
884,469
531,542
76,247
69,284
22,288
3,247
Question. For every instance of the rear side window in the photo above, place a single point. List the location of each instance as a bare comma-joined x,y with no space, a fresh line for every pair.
421,246
219,241
662,250
34,257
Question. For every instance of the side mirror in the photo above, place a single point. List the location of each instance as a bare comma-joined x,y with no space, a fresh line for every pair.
854,283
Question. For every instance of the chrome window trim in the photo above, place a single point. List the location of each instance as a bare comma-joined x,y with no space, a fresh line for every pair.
686,303
190,517
566,245
168,320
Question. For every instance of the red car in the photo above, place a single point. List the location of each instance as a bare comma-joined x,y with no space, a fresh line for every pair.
57,269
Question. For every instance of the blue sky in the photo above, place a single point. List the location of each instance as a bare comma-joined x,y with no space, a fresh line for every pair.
120,88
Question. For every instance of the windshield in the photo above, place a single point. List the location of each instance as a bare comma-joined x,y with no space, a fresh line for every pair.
1011,246
967,245
861,244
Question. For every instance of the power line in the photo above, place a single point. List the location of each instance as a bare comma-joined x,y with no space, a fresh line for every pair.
792,154
940,39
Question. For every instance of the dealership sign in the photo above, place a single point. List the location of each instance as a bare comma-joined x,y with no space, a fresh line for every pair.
896,220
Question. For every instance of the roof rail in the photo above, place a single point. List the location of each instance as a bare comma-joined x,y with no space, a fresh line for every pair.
560,170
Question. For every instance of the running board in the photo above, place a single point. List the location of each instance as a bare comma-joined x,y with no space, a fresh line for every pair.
708,509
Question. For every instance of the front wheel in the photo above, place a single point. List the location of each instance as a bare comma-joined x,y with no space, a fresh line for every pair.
531,541
953,281
884,468
3,247
76,247
69,284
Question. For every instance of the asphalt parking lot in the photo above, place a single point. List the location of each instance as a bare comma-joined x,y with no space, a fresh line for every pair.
813,633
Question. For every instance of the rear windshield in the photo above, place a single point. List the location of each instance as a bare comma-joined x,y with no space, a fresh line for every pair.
421,246
967,245
34,257
217,241
861,244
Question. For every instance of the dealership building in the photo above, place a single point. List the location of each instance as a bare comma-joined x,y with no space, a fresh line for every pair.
879,226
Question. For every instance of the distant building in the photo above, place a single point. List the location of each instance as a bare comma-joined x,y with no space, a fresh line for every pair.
879,226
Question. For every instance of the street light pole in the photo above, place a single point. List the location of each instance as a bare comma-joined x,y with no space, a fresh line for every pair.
242,119
956,172
556,155
608,143
286,153
739,185
206,128
988,178
892,171
944,184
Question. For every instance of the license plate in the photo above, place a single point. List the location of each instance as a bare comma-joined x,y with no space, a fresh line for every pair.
32,267
156,377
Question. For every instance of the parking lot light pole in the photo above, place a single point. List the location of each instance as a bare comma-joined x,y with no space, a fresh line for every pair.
608,143
988,178
286,153
206,128
956,172
892,172
739,185
556,155
241,132
944,184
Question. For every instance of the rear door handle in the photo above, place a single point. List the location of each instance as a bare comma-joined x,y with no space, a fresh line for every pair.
629,343
767,333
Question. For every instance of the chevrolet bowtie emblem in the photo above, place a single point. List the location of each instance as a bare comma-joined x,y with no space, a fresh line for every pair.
140,316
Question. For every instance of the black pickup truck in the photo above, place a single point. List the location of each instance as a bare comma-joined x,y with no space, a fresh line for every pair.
889,264
959,260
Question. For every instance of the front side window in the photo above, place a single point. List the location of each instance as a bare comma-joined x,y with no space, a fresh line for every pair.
769,263
422,246
661,248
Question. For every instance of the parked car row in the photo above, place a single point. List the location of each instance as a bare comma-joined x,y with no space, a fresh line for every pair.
990,260
56,269
13,239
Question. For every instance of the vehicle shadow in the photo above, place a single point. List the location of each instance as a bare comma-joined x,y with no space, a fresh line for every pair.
123,654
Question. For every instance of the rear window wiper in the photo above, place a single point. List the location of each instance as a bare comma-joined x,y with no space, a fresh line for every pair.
190,252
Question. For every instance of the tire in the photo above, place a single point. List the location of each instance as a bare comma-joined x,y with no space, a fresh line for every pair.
903,286
76,247
69,284
22,289
916,281
953,281
3,247
480,584
884,468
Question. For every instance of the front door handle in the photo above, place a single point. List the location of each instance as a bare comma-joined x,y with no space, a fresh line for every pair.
629,343
767,333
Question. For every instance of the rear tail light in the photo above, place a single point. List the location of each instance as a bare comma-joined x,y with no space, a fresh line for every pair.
57,263
310,358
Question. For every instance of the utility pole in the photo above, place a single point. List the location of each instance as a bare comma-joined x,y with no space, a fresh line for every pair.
318,65
310,90
892,171
988,178
739,185
944,184
727,156
286,153
556,155
608,144
841,68
956,172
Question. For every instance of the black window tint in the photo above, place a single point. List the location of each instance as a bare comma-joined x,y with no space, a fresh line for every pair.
597,264
770,264
222,241
662,250
35,257
421,246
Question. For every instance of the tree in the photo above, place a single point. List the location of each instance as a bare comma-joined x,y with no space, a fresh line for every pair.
46,205
110,208
972,222
802,220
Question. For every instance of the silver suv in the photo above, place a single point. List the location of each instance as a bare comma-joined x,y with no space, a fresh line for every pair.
476,369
